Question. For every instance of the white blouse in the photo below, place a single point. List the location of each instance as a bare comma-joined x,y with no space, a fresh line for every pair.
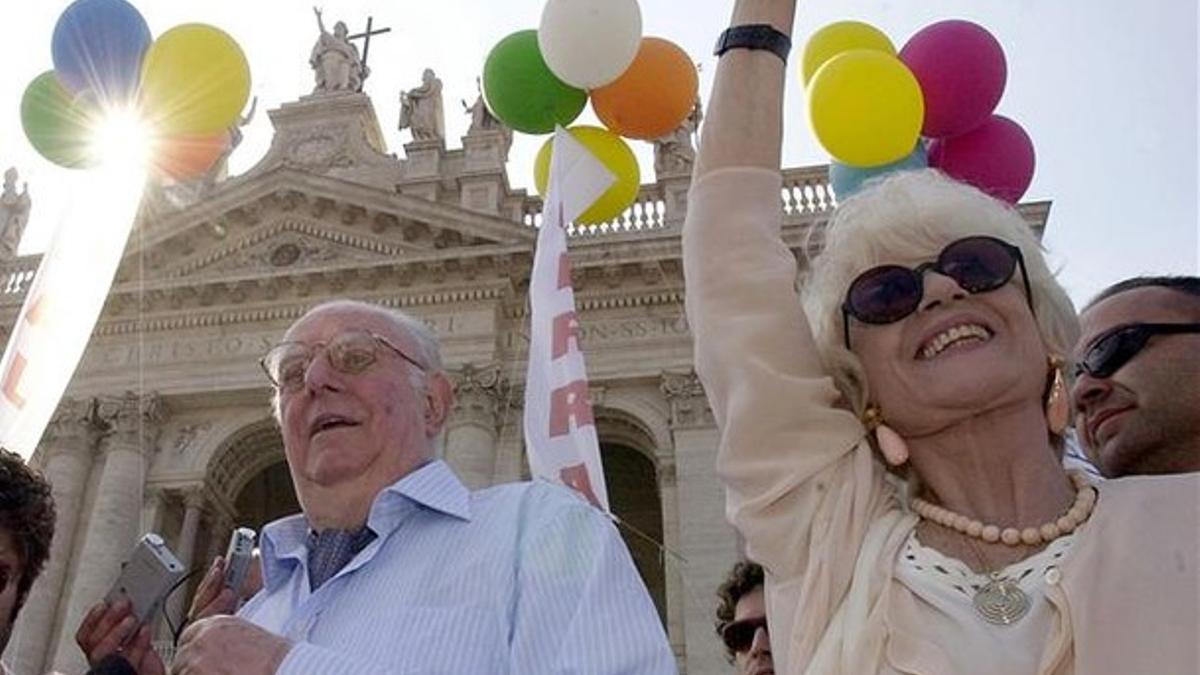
945,588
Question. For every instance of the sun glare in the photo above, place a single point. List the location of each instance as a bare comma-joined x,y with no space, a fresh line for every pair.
122,139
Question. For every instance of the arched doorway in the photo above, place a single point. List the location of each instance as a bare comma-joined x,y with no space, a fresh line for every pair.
267,496
633,496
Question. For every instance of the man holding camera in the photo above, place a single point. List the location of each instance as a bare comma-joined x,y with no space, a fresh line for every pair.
394,565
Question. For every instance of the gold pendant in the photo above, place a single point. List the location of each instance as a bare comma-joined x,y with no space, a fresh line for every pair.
1001,602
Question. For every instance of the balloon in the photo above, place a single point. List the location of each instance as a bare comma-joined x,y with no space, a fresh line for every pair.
653,96
847,180
614,154
522,92
187,157
996,157
98,45
195,81
589,43
58,126
962,72
840,37
866,108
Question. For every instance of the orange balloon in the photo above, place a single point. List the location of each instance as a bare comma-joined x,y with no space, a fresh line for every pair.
653,96
187,157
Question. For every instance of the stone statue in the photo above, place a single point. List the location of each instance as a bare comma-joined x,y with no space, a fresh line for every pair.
220,167
14,213
421,109
335,60
675,152
482,119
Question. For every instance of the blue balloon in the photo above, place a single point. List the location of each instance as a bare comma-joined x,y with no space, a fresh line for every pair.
846,180
98,46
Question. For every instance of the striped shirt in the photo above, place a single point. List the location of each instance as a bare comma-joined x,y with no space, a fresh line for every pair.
520,578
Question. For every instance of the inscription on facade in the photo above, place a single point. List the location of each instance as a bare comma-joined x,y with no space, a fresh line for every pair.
620,330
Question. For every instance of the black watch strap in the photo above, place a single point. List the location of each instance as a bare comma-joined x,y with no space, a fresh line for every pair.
754,36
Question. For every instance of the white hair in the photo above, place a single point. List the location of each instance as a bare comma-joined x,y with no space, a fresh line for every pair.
911,216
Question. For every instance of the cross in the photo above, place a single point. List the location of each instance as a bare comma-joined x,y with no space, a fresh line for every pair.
366,35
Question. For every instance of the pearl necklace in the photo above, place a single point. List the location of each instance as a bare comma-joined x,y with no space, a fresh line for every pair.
1001,601
1085,501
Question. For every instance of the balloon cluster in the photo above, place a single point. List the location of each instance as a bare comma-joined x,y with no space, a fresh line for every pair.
932,104
188,87
640,87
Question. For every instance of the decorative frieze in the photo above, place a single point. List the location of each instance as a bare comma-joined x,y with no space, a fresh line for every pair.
689,404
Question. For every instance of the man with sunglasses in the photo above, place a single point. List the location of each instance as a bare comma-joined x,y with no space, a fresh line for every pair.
394,566
742,620
1137,377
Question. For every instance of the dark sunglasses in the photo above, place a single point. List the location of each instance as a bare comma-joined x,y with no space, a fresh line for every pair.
739,635
888,293
1116,347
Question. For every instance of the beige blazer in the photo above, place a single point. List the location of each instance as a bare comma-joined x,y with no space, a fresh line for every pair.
804,489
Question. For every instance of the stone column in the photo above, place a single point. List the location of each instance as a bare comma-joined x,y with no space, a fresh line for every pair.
472,428
134,422
66,450
194,506
705,540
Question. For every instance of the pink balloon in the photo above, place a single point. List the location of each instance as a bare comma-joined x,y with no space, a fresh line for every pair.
996,157
962,72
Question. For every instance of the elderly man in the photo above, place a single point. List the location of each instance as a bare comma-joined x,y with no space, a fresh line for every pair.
26,527
1137,387
742,620
394,566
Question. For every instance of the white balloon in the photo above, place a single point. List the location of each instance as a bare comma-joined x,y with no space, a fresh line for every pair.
589,43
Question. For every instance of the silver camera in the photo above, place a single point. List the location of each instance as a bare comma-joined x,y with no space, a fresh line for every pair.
238,558
147,576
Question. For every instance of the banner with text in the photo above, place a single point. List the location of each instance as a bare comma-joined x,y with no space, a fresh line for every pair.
560,433
63,303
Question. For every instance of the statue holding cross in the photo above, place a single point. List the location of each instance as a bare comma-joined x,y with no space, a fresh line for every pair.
335,59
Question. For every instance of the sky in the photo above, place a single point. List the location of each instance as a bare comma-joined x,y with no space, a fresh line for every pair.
1107,89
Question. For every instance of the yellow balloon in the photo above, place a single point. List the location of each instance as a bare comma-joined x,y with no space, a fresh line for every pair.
840,37
866,108
615,154
195,81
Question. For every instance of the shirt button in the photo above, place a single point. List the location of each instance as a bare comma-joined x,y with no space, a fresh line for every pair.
1053,576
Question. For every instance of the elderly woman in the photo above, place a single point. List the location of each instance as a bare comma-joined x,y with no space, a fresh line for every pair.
930,358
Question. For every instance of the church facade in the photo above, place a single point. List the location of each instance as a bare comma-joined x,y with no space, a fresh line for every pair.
166,426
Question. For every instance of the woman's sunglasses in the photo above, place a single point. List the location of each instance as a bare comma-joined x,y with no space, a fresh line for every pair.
738,636
1116,347
888,293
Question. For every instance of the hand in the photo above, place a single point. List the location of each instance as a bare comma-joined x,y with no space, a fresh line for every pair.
113,629
226,645
213,598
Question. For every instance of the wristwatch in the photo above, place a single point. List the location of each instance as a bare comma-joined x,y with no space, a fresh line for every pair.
754,36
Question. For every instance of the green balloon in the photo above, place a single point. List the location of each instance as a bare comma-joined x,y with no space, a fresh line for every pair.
522,92
57,126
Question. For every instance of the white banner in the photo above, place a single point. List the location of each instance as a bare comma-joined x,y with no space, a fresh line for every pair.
560,433
63,302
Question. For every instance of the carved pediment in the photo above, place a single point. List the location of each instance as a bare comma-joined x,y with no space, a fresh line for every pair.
287,245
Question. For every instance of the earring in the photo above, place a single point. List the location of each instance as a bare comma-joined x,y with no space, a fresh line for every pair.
1057,399
890,443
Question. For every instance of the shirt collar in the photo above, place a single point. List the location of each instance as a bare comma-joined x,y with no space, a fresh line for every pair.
433,487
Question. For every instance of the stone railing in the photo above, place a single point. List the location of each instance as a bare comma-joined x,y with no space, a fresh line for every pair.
806,191
15,277
648,212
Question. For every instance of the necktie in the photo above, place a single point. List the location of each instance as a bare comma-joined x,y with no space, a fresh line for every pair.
330,550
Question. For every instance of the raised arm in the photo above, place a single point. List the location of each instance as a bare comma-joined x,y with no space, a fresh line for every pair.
320,23
744,124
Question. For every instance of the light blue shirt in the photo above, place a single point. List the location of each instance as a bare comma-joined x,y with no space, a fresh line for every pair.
522,578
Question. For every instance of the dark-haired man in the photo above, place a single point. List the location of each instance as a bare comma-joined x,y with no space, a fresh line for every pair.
742,620
1137,386
26,528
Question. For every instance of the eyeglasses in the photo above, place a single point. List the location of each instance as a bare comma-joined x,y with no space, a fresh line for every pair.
350,352
888,293
738,636
1116,347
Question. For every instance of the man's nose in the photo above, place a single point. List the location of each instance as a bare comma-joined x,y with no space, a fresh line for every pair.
939,289
761,643
320,373
1088,390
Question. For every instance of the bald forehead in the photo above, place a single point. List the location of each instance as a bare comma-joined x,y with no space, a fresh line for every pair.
1149,304
323,323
